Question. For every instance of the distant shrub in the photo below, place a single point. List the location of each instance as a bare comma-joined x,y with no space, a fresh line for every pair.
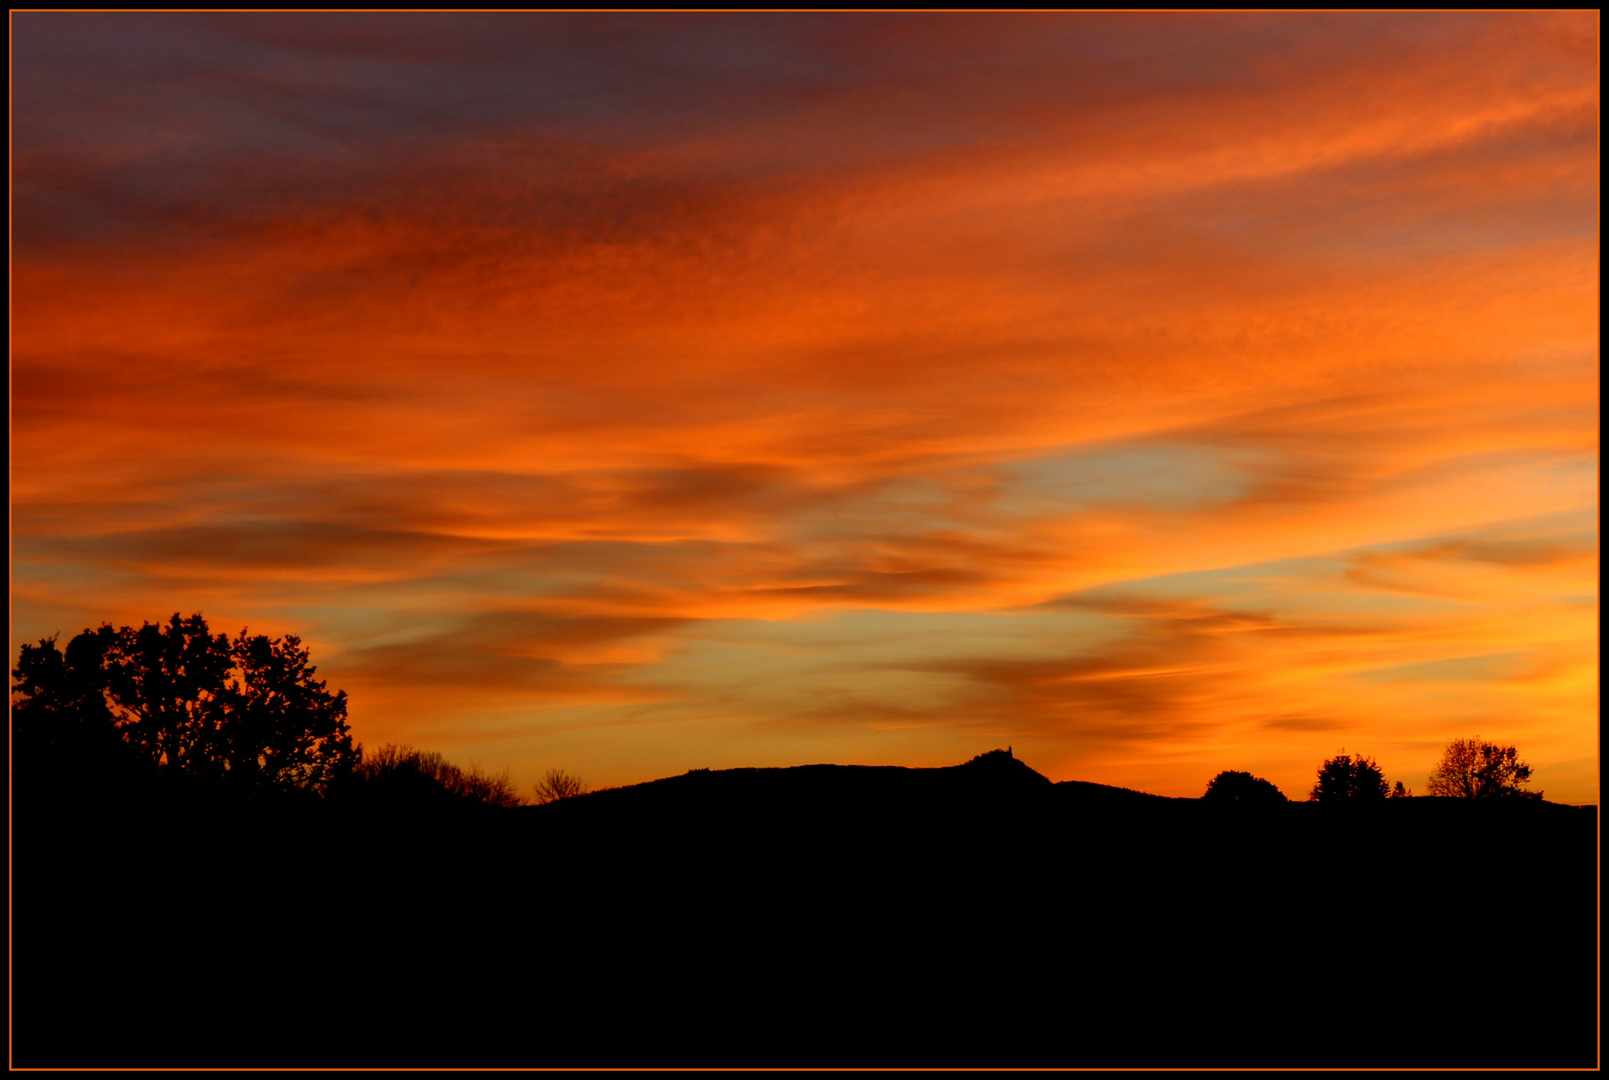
1242,787
421,778
557,785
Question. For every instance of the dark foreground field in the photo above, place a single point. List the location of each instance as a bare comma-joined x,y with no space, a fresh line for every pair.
823,915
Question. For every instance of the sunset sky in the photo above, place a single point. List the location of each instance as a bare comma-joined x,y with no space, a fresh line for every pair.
1156,394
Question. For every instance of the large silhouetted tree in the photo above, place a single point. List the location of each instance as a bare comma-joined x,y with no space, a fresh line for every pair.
1476,769
168,687
1344,778
180,700
1244,788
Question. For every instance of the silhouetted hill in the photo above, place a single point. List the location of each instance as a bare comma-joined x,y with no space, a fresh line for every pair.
815,793
818,915
1084,793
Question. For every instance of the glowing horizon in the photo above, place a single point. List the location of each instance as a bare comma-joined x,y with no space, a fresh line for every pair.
1158,394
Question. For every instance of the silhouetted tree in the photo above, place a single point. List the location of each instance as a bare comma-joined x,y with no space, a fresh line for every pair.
1401,791
62,729
1242,787
284,728
1344,778
184,701
169,693
558,784
1475,769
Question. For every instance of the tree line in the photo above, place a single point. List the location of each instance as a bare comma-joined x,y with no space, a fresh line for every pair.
177,703
1468,769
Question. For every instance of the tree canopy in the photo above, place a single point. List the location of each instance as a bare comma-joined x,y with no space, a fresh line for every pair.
1242,787
178,699
1476,769
1345,778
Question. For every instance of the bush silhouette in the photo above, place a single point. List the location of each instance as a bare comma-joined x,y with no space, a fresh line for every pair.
558,784
1242,787
403,778
177,700
1475,769
1344,778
